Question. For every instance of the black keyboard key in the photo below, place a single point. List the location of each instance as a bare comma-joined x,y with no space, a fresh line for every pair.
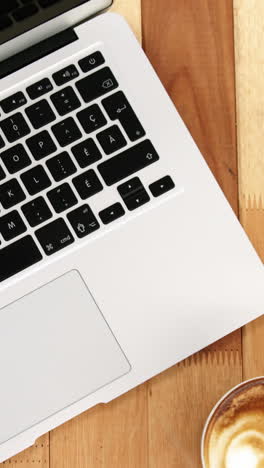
8,6
65,101
11,193
62,198
2,143
97,84
35,180
15,127
130,188
91,118
11,225
111,139
111,213
133,193
92,61
40,114
54,236
66,132
5,22
41,145
118,108
87,184
83,221
161,186
25,12
66,74
61,166
36,211
15,158
40,88
139,199
127,163
2,173
86,153
13,102
17,257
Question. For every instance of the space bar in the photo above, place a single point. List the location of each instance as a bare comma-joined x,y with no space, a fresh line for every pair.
18,256
127,163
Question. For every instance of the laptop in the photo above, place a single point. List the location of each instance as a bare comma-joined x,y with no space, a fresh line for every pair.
119,253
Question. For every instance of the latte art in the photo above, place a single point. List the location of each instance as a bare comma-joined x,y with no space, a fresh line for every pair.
246,451
235,435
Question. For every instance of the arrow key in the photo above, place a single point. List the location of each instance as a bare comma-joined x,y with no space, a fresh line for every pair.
112,213
130,187
137,200
83,221
161,186
133,193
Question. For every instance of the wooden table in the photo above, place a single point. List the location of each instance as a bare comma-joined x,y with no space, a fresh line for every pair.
191,45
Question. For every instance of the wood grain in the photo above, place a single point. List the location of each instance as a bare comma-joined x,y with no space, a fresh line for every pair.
113,435
250,116
179,403
38,455
250,103
191,47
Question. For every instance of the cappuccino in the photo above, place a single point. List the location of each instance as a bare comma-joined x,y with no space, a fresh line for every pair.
234,434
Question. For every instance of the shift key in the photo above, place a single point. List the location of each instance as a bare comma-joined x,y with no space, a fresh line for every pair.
128,162
17,257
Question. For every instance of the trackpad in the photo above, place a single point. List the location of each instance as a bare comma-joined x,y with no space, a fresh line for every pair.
55,348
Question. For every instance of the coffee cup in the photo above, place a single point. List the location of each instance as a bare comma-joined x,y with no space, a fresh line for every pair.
233,436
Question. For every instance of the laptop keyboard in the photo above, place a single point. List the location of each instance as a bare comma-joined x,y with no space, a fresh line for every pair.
13,11
63,140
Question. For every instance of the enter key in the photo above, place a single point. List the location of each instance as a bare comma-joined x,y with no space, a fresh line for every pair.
118,108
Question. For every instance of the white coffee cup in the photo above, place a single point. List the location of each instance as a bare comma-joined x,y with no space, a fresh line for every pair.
249,392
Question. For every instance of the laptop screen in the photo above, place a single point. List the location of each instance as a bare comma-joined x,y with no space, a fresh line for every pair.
20,16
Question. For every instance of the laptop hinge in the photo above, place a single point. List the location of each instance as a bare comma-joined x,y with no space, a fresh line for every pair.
36,52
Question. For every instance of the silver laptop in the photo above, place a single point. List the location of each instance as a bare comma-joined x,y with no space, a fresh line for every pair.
119,254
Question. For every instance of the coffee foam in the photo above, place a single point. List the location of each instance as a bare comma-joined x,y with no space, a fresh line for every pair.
235,435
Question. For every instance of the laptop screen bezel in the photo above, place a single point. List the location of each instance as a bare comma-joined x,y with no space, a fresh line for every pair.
64,21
